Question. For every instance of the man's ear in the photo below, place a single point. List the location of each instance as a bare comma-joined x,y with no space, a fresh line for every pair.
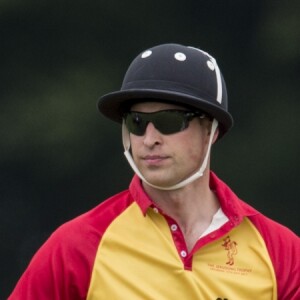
215,135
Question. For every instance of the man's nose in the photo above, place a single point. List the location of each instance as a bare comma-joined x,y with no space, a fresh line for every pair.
152,136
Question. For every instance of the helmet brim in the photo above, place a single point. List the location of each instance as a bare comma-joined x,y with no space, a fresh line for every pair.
115,104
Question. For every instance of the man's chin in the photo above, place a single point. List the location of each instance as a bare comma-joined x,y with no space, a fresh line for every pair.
160,181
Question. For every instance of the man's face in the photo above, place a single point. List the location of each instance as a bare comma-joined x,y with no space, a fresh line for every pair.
165,160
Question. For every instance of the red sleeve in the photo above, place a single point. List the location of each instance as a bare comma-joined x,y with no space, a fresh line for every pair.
284,249
62,267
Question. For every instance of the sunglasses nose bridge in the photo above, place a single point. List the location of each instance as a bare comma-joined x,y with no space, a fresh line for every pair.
152,135
149,121
150,127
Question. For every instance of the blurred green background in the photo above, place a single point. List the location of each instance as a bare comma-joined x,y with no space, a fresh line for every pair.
59,157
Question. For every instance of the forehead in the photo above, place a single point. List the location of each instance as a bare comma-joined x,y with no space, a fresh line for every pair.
154,106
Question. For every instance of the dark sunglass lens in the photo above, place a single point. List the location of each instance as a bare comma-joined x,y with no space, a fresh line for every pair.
135,123
165,121
169,122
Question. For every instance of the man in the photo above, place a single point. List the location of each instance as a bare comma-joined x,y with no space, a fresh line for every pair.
178,232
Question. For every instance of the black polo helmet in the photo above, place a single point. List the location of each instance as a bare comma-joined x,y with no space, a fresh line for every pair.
172,73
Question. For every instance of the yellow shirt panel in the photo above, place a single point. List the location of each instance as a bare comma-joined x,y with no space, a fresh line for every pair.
137,259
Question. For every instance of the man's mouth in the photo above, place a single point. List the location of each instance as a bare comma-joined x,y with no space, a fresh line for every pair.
154,159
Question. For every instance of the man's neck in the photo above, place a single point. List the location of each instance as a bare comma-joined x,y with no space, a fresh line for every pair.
192,207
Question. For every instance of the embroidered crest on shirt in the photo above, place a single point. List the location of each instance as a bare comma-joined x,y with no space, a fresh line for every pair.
231,248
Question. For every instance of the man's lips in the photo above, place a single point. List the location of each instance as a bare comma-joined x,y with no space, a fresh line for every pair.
154,159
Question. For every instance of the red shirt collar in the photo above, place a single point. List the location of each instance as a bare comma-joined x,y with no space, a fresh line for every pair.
234,208
139,195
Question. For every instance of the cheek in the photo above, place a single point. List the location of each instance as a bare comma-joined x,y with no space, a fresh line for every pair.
134,145
197,147
195,152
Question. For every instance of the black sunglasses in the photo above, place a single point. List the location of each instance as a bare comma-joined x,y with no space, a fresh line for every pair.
165,121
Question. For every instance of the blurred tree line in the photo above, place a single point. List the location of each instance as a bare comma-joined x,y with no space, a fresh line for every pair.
59,157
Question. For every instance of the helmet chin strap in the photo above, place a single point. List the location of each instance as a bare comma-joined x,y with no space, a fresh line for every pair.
193,177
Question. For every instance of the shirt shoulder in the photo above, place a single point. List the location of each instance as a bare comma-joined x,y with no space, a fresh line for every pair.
62,267
284,247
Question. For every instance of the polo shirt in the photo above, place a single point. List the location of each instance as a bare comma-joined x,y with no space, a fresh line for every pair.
127,248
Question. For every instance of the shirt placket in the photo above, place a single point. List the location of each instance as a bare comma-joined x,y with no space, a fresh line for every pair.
178,239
